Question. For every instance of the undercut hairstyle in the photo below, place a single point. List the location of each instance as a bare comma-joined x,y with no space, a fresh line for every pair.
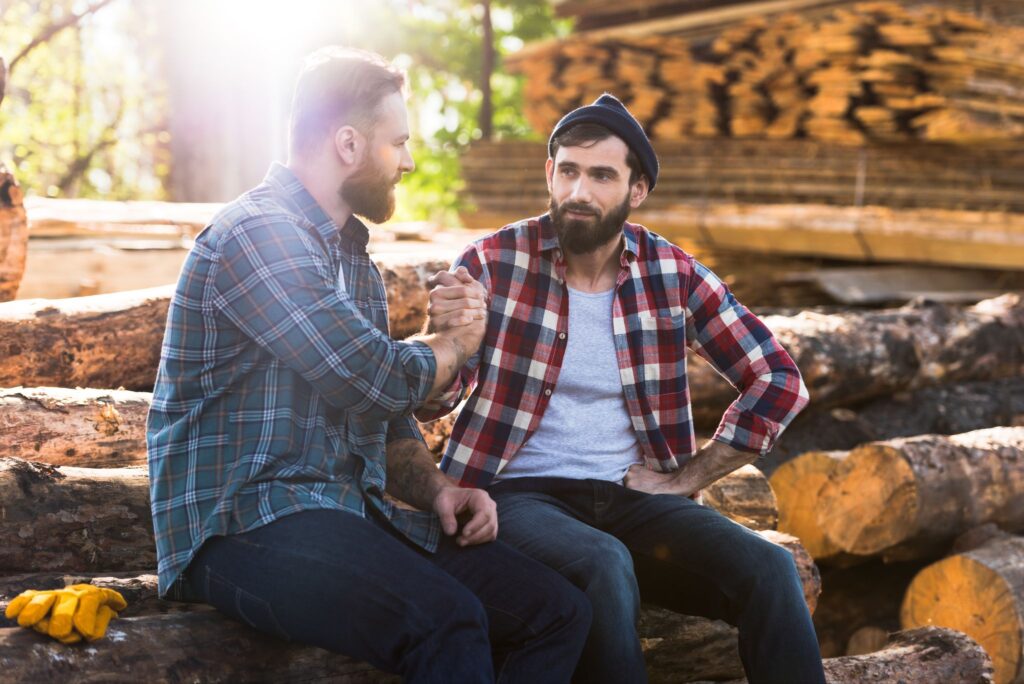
338,86
587,134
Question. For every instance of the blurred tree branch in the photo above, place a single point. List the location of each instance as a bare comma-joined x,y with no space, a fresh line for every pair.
53,29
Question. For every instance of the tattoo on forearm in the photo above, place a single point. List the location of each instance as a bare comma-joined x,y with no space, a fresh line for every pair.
411,473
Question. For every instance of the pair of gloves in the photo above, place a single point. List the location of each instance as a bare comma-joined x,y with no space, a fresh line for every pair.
81,611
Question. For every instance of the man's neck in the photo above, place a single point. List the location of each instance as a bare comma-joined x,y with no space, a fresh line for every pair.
324,191
595,271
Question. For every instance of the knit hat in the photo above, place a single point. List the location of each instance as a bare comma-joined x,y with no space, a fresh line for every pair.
609,112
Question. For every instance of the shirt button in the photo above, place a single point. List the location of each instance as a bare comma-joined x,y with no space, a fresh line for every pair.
561,335
547,393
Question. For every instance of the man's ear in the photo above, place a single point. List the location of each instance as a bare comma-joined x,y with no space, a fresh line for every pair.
349,144
638,192
549,168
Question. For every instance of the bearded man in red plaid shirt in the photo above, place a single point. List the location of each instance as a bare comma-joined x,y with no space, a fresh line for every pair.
578,420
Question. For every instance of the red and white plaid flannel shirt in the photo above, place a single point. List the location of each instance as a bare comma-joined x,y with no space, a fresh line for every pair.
664,301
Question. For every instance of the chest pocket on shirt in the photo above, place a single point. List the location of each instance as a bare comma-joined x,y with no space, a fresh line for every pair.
663,355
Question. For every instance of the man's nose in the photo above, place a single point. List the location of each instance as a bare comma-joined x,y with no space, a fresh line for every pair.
406,163
580,191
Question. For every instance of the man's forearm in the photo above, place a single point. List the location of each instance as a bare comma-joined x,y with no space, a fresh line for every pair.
412,475
451,354
712,462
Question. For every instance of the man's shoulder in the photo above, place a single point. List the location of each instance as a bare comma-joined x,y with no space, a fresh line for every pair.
655,250
256,211
521,236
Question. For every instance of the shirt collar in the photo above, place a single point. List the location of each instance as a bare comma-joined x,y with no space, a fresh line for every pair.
354,231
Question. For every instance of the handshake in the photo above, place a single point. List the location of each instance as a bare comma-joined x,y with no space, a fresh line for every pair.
69,615
456,314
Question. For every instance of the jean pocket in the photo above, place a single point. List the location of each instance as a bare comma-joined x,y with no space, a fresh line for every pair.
242,605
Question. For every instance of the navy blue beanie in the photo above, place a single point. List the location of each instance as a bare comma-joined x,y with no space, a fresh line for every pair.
607,111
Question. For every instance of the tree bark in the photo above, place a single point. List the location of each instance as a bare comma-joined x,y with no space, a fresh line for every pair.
745,496
13,234
80,427
908,497
849,357
981,593
947,409
114,340
74,519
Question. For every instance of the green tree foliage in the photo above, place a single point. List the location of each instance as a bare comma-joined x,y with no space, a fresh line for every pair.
443,42
82,116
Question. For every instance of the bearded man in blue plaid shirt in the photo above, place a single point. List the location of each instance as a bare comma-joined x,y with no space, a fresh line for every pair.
281,417
579,422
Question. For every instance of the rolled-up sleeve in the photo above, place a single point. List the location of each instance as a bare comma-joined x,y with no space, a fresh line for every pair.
741,348
274,283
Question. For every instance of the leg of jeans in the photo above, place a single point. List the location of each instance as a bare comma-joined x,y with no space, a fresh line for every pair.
335,580
758,579
547,530
538,620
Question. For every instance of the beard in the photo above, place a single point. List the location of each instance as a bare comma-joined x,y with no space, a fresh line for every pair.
370,193
583,236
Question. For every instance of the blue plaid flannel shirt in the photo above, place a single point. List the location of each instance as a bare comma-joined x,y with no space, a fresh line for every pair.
278,387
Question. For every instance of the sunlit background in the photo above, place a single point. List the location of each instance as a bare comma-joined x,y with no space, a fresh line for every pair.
187,100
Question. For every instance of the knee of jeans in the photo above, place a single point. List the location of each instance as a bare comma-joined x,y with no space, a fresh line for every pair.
457,607
772,568
605,572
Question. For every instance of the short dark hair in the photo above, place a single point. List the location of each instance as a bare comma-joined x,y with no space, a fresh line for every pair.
338,86
585,135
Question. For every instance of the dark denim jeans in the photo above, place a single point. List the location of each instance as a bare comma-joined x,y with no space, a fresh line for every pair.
617,545
354,586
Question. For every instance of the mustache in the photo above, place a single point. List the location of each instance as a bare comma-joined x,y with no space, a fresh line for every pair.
578,209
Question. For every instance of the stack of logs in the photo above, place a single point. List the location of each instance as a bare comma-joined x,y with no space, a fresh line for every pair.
75,490
874,71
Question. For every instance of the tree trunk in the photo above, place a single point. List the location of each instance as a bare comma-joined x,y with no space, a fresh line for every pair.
981,593
797,485
197,646
942,410
74,519
676,647
745,496
114,340
80,427
910,496
849,357
13,234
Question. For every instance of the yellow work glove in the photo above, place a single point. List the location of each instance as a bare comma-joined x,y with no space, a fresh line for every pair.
81,610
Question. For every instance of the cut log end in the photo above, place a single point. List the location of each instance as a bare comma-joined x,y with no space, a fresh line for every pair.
970,593
796,484
871,501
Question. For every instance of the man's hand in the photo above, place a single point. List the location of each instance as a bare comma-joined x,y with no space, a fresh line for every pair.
643,479
456,300
453,503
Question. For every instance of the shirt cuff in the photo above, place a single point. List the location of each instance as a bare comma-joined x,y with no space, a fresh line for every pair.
420,367
746,431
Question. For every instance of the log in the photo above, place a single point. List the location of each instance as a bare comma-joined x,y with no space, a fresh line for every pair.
76,427
745,496
797,485
13,234
69,519
918,656
854,356
114,340
197,646
916,494
946,409
676,647
74,519
981,593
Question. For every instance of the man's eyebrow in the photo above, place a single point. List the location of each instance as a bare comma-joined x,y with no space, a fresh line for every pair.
610,170
568,165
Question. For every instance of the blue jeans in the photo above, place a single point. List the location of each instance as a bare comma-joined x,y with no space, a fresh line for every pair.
354,586
617,544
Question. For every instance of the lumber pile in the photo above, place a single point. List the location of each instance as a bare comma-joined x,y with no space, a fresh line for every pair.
867,71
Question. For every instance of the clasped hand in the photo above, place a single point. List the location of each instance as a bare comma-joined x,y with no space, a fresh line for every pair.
474,508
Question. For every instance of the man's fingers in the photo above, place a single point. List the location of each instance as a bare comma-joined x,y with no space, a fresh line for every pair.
446,512
444,279
442,306
457,319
